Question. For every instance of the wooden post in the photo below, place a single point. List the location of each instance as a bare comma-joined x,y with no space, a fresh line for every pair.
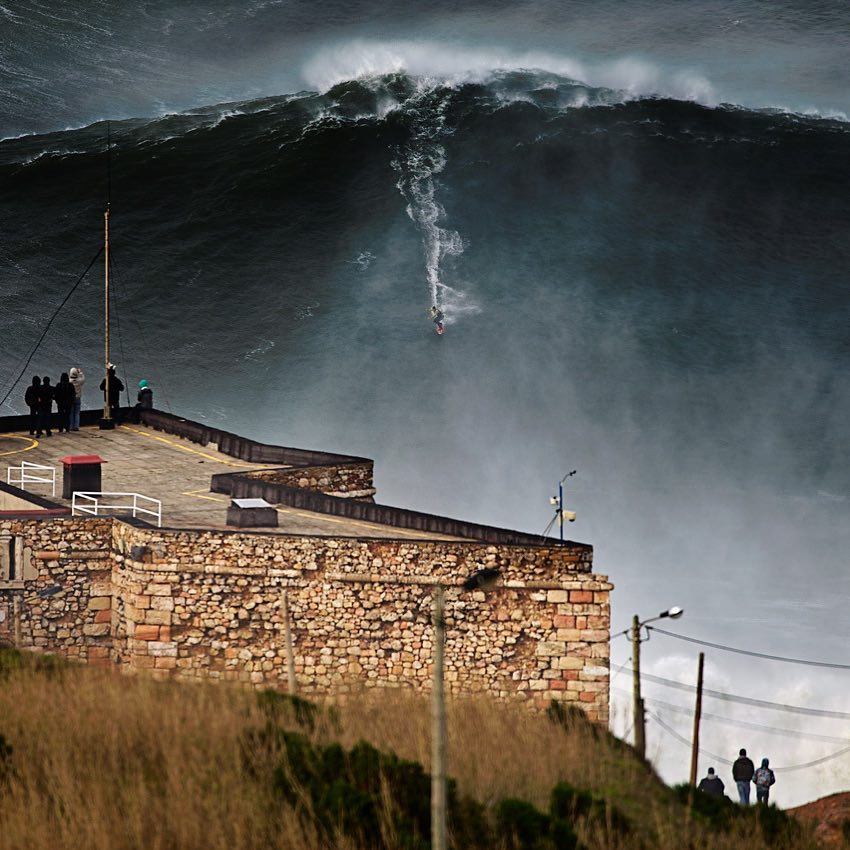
16,620
290,652
438,727
637,701
697,716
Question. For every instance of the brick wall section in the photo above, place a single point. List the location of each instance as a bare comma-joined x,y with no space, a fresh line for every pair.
206,604
352,480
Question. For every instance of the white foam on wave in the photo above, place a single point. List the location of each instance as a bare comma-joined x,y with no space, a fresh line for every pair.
455,64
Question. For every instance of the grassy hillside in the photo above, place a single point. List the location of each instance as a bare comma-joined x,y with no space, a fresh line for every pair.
95,760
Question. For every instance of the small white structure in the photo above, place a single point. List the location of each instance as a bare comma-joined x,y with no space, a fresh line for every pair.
31,473
101,503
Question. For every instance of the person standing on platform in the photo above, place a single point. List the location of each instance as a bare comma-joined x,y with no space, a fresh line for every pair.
77,378
144,400
116,387
742,773
45,407
65,395
32,399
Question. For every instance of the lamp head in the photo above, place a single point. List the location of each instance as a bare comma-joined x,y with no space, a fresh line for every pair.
673,613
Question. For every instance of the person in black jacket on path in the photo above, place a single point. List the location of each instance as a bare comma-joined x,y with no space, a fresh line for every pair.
712,784
45,407
65,396
31,399
742,773
116,387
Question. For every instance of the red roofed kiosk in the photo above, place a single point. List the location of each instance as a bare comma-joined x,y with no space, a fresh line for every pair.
81,473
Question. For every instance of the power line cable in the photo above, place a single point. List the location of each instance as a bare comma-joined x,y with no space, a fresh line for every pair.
120,338
829,664
160,383
776,706
48,325
746,724
789,769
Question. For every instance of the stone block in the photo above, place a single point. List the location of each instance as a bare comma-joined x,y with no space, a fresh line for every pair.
158,618
581,596
100,603
103,616
551,647
96,629
143,632
162,649
557,596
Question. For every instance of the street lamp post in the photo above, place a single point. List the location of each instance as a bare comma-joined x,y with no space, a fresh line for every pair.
637,700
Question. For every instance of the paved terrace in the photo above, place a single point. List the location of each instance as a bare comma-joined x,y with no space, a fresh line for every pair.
176,471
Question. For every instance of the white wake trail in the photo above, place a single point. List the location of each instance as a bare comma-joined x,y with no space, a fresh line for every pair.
417,163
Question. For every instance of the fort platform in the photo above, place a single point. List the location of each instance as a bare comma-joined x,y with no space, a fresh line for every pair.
172,590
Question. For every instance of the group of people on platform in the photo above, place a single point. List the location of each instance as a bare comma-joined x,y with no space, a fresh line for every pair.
67,396
745,773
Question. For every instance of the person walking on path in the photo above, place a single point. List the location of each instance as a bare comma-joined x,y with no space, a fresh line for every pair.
32,399
78,379
144,400
763,778
65,395
742,773
116,387
711,784
45,407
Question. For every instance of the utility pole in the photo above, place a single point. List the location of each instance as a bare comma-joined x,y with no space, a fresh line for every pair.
290,652
438,725
637,700
697,716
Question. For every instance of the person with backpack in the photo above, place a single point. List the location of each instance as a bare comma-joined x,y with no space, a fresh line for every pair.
65,395
45,407
32,398
742,772
763,779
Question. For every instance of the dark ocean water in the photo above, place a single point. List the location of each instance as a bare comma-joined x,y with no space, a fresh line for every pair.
642,254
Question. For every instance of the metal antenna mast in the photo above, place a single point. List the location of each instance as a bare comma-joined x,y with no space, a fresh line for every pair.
107,423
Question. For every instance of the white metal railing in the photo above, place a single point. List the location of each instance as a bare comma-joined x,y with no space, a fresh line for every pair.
91,503
32,473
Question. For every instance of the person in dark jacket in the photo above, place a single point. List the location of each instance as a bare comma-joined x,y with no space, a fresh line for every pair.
712,784
144,400
32,398
65,395
116,387
45,407
742,773
763,778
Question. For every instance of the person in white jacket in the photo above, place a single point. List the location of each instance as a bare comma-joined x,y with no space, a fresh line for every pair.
77,378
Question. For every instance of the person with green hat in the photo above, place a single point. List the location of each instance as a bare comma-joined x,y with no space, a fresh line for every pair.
145,396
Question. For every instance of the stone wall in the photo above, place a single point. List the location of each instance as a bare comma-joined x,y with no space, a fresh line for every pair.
353,481
76,555
193,604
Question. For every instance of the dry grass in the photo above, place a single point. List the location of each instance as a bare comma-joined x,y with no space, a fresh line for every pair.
105,762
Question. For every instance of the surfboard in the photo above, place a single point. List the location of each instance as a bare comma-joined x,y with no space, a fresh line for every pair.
439,329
